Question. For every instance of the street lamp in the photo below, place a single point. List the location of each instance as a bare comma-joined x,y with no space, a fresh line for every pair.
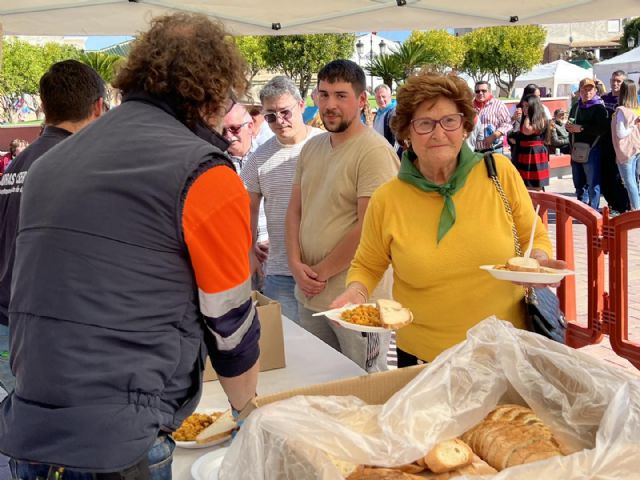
359,50
371,58
383,47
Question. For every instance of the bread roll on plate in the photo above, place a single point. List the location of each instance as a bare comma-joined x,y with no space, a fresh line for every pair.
523,264
222,427
393,315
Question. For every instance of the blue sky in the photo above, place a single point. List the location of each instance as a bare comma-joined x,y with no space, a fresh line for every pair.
400,36
97,43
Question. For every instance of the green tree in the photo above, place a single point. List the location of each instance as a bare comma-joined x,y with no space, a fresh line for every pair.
631,30
21,71
22,66
253,49
507,52
104,63
474,62
387,67
442,49
300,57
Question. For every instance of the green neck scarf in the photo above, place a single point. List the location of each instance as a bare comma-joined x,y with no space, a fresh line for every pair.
409,173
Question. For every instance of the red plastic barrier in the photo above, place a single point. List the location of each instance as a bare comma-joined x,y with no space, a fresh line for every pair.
615,230
567,209
607,312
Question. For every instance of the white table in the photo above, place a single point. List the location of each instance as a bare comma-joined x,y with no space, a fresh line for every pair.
309,361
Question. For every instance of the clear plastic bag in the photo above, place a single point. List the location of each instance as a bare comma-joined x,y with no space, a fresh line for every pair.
593,408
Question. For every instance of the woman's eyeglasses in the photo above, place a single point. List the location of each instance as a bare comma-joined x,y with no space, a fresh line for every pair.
422,126
285,114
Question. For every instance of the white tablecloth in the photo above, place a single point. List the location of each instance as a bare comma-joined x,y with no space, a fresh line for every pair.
309,361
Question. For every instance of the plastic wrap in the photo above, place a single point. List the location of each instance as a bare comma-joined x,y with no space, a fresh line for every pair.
593,408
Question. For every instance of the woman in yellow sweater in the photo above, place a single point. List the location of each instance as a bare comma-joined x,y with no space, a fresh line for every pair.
439,221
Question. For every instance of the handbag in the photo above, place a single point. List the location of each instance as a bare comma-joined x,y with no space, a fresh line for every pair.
580,150
544,316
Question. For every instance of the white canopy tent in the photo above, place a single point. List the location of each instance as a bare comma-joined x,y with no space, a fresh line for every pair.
628,61
557,77
126,17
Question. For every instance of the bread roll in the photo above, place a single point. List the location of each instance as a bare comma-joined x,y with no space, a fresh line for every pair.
393,315
219,429
448,455
523,264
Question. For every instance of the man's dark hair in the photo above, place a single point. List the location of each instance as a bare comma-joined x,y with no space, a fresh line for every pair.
482,82
619,73
344,71
69,91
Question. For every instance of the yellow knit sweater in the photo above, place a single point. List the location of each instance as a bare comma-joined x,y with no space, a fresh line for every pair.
442,283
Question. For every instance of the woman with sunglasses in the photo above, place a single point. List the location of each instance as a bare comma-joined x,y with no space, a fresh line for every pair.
439,221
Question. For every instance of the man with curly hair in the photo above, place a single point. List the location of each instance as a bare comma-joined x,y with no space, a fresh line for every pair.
132,264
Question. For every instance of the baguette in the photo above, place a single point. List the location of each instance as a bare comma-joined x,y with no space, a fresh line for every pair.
369,473
393,315
222,427
512,435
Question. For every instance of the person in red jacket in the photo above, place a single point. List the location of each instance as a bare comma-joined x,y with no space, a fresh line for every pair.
15,148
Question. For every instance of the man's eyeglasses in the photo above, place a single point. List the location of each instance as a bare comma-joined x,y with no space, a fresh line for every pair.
285,114
452,122
233,129
480,90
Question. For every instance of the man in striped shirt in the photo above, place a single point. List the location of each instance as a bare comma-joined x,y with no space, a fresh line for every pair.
494,119
269,173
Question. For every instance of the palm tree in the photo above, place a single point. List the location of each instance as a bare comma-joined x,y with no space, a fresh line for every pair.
387,68
411,57
103,63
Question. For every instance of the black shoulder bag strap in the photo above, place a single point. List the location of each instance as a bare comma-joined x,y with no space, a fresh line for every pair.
543,308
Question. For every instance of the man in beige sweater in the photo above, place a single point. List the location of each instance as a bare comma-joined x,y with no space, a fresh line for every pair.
336,174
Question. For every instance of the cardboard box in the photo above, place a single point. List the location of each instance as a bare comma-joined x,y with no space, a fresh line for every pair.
271,336
375,388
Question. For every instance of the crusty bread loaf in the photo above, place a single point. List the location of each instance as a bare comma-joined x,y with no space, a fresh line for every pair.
477,467
512,435
393,315
367,473
523,264
448,455
220,428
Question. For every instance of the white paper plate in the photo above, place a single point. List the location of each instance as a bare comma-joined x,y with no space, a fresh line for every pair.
194,445
207,466
335,316
546,277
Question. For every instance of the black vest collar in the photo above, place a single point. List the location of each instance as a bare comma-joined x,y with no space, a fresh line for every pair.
169,105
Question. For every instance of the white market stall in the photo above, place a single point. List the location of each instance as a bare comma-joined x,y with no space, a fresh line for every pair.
283,17
629,62
557,77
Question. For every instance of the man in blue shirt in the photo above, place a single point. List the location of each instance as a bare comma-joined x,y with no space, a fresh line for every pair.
386,109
